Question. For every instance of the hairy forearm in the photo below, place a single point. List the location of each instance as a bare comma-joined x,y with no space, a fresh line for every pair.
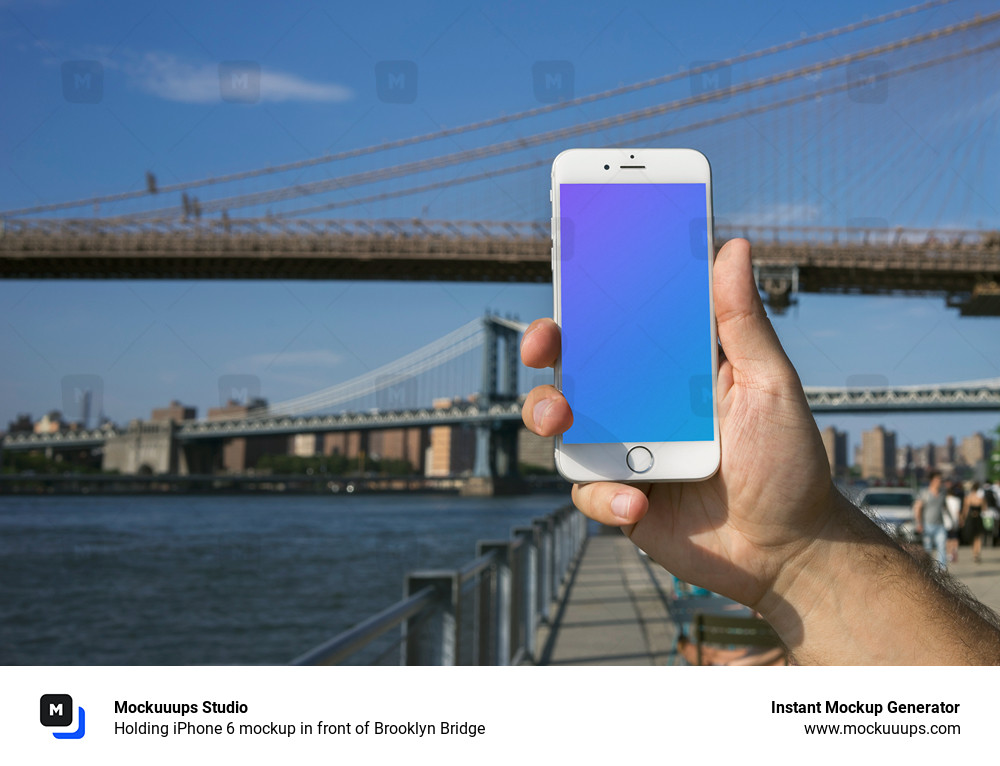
855,597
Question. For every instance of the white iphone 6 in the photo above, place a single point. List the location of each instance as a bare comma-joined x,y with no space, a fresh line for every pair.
632,275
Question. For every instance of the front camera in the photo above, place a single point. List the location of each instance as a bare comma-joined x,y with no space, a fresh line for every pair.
607,167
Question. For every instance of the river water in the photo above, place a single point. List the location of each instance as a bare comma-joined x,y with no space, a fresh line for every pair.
192,580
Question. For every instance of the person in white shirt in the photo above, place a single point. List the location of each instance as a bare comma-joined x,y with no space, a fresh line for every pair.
953,512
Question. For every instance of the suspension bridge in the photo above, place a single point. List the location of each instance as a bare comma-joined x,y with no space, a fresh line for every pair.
491,415
823,151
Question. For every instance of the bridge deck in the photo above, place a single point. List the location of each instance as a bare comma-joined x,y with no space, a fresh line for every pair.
962,264
617,609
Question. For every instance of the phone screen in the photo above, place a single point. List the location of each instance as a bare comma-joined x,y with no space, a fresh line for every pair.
635,312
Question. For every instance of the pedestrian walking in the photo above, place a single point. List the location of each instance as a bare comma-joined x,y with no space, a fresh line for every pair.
991,515
972,516
952,514
928,512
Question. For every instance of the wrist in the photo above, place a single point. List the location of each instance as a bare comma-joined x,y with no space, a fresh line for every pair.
822,596
854,596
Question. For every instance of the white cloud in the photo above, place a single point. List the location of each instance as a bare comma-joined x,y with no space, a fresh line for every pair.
174,79
277,86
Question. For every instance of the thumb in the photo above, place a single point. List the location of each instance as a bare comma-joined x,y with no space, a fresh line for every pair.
745,332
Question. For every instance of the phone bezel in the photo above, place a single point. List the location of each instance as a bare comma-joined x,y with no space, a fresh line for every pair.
672,461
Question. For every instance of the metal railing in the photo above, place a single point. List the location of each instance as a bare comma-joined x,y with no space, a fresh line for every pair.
486,612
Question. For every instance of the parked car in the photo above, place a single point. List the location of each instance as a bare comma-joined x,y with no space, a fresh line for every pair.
892,508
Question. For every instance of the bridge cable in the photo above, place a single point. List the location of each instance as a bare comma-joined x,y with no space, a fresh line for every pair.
593,126
449,346
503,119
648,138
644,139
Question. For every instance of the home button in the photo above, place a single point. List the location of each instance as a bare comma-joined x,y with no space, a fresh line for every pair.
639,459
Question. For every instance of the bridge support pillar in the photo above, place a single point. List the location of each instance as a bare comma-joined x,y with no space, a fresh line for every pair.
505,450
483,467
145,448
781,283
496,443
496,450
495,469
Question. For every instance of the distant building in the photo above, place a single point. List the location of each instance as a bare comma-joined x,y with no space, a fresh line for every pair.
21,425
50,423
974,454
175,412
923,459
409,444
237,410
242,452
944,456
350,444
878,454
452,450
536,451
835,443
975,448
904,461
304,445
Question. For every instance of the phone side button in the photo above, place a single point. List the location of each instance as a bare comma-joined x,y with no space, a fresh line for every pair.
639,459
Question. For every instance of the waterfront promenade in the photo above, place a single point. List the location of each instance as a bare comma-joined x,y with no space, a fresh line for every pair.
618,606
614,610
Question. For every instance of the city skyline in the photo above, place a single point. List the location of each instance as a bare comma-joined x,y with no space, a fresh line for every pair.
879,456
876,455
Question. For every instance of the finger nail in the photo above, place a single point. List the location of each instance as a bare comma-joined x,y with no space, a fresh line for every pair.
620,505
540,411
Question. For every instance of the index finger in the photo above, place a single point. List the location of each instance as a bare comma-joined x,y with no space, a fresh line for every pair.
541,344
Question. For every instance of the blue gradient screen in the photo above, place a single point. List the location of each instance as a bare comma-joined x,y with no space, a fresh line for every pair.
636,319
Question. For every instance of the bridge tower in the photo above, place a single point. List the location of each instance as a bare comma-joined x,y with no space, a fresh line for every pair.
496,441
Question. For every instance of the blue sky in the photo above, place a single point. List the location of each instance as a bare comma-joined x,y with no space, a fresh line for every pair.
925,157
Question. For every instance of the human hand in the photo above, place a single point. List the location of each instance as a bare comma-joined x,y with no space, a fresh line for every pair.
769,529
735,532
